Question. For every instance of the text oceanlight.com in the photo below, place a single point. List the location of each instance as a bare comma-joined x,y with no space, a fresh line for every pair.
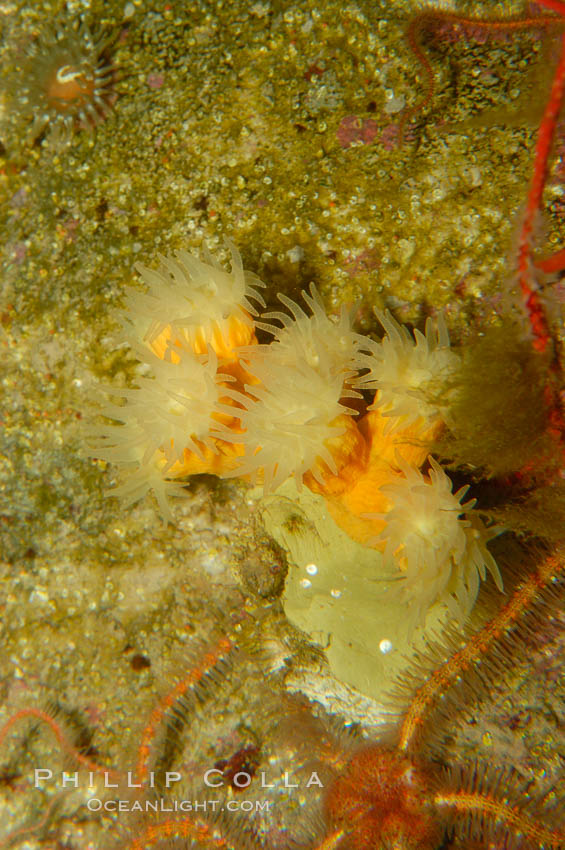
95,805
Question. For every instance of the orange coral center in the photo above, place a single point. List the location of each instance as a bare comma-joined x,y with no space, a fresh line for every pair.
223,341
225,457
350,453
377,464
69,84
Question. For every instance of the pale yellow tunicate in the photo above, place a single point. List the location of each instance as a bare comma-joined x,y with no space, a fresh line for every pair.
336,592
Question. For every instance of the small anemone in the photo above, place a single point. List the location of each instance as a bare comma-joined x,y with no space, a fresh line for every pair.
434,543
195,301
409,373
64,81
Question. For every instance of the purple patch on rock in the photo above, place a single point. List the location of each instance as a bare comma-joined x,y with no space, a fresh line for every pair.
353,129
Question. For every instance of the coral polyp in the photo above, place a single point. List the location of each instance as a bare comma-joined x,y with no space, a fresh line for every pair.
409,372
286,409
166,419
288,420
435,542
196,301
328,347
64,81
184,329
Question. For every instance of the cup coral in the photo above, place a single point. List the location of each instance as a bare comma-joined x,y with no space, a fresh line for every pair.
195,301
409,372
433,543
328,347
194,313
165,419
287,418
300,410
293,409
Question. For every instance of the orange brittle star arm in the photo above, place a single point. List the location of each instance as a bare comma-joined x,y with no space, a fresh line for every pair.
475,649
494,25
186,828
499,811
194,677
331,841
19,833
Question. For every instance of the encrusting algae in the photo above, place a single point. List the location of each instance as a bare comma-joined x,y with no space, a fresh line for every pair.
351,419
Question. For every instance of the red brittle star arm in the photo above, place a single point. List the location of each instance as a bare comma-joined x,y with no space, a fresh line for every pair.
546,133
60,736
555,5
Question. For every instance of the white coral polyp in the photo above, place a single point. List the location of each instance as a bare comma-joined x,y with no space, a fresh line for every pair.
408,372
328,347
302,376
434,543
169,411
195,298
287,418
